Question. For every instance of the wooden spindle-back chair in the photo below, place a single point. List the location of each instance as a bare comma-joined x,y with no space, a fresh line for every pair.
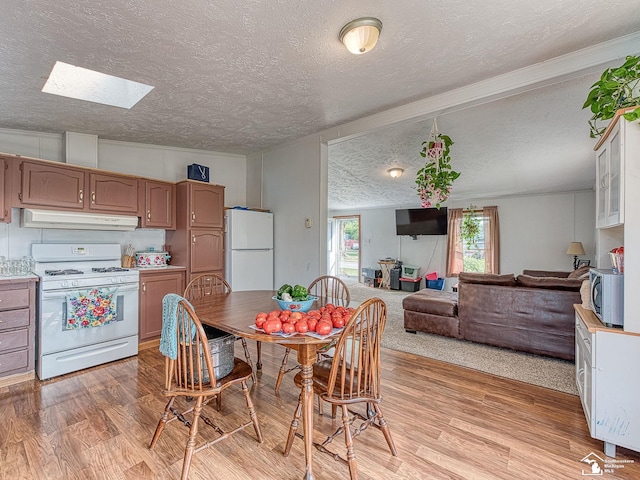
337,292
192,374
210,284
352,378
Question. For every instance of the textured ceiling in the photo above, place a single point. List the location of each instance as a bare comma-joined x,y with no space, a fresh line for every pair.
240,76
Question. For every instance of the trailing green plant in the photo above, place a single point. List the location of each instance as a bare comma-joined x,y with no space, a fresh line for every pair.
470,228
434,181
618,87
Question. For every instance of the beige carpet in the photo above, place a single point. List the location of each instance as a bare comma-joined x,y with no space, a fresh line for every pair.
535,369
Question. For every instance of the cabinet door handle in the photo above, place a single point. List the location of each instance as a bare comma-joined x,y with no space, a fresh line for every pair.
93,197
193,216
193,239
144,288
81,196
148,214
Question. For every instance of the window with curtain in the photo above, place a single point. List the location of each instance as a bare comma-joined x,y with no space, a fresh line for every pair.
483,255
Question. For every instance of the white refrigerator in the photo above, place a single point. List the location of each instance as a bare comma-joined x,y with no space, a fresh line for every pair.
249,249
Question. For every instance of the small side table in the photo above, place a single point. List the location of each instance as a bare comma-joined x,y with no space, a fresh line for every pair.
385,266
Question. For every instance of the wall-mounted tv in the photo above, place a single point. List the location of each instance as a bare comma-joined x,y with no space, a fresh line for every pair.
421,221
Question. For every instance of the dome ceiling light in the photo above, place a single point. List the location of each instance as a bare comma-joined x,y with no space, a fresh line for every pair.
361,35
395,172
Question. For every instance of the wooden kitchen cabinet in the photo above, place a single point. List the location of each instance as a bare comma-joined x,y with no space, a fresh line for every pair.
160,205
4,201
206,205
113,193
17,326
198,240
154,285
207,250
51,185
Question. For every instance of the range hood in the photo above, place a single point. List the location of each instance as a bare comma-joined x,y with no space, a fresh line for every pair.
76,221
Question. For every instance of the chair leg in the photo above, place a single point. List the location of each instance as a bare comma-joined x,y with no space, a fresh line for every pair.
348,440
252,411
191,442
259,362
385,429
294,427
283,368
247,356
162,422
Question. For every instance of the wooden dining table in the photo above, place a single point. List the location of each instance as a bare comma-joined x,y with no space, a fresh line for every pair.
235,312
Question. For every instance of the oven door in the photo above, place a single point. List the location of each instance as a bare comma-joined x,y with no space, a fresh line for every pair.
53,335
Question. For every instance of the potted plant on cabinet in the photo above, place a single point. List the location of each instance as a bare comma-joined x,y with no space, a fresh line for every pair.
618,88
434,181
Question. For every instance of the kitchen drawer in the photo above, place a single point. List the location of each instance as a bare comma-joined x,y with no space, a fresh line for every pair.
14,361
14,318
18,298
14,339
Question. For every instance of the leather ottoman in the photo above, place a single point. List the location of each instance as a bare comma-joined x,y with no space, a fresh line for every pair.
432,311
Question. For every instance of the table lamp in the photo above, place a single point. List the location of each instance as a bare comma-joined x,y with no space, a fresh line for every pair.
575,249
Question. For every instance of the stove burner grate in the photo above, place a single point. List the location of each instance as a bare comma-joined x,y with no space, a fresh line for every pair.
110,269
63,272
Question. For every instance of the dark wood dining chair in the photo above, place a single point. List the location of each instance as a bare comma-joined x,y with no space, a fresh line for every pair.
209,284
192,374
351,379
331,288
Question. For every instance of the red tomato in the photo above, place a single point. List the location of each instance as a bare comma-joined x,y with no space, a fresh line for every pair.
312,323
288,327
260,321
324,328
296,315
314,314
302,326
338,322
261,314
272,326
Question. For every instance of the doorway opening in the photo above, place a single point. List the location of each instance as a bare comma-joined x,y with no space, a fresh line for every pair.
344,248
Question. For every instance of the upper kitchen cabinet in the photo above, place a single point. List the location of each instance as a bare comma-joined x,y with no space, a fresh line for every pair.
4,209
160,205
206,204
51,185
114,193
615,151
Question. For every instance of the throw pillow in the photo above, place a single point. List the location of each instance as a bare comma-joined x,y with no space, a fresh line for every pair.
581,273
553,283
585,294
507,280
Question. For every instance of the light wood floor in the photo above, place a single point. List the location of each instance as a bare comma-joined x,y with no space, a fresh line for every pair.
447,423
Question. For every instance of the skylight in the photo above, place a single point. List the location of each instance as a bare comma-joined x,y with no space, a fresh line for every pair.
84,84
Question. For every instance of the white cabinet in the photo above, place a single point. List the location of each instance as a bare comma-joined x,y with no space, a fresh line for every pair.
610,178
607,381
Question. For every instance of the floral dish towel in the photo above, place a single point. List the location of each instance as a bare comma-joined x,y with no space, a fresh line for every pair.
91,308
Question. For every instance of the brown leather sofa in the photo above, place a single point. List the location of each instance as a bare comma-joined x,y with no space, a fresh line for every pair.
531,313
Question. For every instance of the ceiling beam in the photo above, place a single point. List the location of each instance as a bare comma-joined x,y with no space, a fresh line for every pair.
559,69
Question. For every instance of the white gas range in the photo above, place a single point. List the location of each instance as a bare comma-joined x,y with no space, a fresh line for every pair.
88,307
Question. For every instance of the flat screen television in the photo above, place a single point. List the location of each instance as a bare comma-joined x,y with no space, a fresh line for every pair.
421,221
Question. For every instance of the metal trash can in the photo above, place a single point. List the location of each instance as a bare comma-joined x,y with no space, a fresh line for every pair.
221,345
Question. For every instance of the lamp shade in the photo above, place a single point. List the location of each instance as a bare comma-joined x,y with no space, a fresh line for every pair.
361,35
575,248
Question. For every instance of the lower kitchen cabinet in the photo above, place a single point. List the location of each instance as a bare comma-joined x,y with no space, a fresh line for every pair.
154,285
609,388
17,325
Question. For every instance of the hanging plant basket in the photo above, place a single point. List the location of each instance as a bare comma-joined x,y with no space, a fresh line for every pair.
470,229
435,180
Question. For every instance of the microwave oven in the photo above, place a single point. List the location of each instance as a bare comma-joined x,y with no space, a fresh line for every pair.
607,296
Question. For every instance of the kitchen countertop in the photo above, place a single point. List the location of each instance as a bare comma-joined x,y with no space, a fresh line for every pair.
159,269
19,278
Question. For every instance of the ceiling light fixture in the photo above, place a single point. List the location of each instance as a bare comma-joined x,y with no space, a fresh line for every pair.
361,35
395,172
